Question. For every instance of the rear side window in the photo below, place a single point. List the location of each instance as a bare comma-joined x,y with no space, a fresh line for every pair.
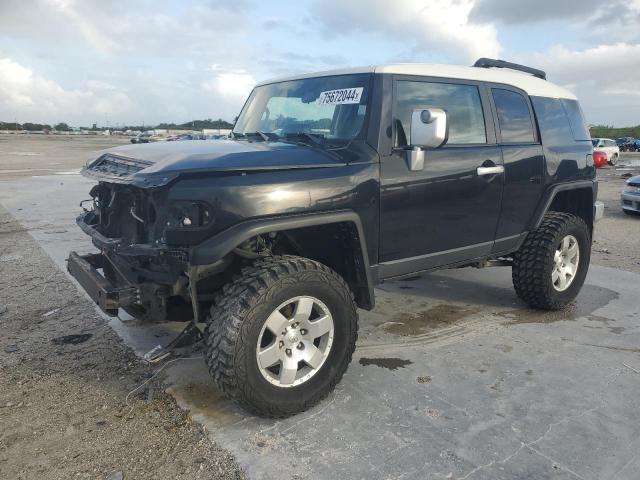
576,119
461,102
513,116
552,119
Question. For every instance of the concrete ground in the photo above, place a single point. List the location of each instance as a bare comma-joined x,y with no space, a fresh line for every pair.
452,378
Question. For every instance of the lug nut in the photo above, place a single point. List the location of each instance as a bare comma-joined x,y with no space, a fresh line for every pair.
280,344
303,332
300,346
288,351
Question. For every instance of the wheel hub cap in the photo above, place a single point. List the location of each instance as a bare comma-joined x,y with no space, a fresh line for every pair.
295,341
566,259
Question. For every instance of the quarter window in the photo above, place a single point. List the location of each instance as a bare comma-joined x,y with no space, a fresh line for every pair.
514,116
576,119
461,102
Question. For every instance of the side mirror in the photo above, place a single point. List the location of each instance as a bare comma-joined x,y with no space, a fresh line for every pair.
429,129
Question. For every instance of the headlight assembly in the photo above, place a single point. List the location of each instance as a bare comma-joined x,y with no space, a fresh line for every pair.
185,214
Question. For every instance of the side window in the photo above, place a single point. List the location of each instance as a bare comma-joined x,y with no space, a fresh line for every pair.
576,119
514,116
554,124
461,102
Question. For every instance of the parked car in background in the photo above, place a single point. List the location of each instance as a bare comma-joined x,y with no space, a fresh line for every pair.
624,143
628,144
145,137
609,147
631,196
185,136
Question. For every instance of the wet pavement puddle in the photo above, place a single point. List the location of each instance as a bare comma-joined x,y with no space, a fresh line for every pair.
388,363
425,321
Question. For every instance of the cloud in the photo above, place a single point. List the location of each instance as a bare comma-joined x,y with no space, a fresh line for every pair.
600,66
606,19
230,83
604,77
529,11
32,97
154,54
436,26
162,60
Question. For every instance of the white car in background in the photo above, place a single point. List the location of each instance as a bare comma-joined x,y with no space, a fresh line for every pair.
609,147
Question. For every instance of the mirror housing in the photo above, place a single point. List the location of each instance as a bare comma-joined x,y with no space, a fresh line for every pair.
429,129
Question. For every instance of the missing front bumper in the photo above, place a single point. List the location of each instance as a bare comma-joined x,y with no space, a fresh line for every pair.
84,268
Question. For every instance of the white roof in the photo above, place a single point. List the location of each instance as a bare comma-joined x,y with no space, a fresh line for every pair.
527,82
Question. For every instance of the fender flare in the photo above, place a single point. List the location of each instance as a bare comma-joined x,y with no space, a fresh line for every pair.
550,194
221,244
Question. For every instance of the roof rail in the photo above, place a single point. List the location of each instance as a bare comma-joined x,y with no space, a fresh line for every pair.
492,63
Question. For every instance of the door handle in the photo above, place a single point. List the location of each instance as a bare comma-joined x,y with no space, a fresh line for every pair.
490,170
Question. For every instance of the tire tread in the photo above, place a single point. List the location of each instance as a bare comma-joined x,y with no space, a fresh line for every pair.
529,272
225,335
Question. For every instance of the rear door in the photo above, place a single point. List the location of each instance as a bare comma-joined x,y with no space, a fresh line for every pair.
447,212
523,163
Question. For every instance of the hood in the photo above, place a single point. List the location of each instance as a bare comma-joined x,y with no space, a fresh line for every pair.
153,164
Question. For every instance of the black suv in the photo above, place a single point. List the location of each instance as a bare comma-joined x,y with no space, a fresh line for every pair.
330,184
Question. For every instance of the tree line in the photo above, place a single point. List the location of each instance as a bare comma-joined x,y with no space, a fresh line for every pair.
606,131
64,127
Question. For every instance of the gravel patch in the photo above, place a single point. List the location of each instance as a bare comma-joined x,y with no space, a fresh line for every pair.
64,378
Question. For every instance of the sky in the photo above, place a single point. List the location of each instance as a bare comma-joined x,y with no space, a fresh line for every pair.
150,61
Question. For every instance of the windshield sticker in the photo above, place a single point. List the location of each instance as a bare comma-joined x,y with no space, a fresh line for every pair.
340,97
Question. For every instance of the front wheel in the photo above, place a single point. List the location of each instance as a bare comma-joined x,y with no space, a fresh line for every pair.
551,265
281,335
613,160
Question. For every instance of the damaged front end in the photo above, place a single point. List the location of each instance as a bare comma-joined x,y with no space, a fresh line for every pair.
142,266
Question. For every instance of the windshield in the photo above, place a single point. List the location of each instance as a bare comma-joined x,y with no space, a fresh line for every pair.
595,142
324,107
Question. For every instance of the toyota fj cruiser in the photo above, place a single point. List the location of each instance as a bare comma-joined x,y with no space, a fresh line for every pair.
328,185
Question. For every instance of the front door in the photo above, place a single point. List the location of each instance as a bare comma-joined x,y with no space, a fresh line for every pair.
447,212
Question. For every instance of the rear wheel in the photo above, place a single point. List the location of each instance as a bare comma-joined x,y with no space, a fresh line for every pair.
281,335
551,265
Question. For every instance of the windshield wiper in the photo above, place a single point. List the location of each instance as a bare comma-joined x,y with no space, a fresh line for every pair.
263,136
315,138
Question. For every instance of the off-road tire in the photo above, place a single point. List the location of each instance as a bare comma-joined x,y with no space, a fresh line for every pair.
238,315
533,262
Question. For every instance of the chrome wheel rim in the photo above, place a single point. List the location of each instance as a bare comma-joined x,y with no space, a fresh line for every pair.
295,341
565,263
